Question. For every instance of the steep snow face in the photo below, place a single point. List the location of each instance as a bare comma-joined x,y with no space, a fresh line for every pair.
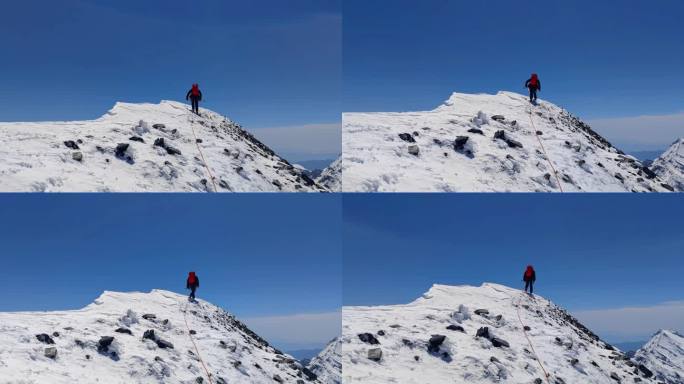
474,335
151,344
670,165
143,148
328,364
664,355
331,177
484,143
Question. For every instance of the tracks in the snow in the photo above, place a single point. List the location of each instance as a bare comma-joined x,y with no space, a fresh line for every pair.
529,342
199,149
534,128
192,339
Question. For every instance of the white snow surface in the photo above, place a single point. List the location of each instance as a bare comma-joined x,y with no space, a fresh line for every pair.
569,352
664,355
331,177
670,165
231,352
376,159
327,365
34,156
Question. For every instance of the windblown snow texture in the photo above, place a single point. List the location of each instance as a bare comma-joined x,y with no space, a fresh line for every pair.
139,338
670,165
331,177
485,143
664,354
469,334
328,364
143,148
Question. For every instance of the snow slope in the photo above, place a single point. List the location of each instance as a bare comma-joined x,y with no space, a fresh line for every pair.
398,338
664,354
670,165
331,177
328,364
231,352
484,143
39,156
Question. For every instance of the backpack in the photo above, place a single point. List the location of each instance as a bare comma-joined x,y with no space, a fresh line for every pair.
528,273
195,90
192,279
534,81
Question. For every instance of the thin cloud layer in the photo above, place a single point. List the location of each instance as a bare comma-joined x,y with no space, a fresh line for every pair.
306,330
642,133
633,323
311,140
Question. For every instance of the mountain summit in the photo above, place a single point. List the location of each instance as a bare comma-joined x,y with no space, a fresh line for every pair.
664,353
143,148
485,143
156,337
327,365
670,165
486,334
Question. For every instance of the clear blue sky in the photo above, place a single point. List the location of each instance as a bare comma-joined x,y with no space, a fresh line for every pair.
596,58
590,250
256,255
264,63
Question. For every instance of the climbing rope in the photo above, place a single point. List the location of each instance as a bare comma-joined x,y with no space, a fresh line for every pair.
192,126
192,339
529,342
534,128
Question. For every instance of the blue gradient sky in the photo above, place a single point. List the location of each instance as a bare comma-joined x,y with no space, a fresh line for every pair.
598,59
264,63
590,250
256,255
602,256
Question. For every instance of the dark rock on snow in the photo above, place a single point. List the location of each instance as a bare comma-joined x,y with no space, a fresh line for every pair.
51,352
460,142
434,343
407,137
104,343
45,338
375,354
71,144
368,338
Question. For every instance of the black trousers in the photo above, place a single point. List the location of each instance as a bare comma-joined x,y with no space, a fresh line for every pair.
533,94
530,285
195,104
192,292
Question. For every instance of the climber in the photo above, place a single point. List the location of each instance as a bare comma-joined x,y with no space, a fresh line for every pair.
194,95
529,278
534,85
192,284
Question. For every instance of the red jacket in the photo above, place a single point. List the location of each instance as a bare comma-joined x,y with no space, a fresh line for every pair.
533,82
193,280
529,274
194,93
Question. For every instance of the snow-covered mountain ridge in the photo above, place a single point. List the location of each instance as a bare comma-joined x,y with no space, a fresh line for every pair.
328,364
143,148
464,334
331,177
664,353
485,143
140,338
670,165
